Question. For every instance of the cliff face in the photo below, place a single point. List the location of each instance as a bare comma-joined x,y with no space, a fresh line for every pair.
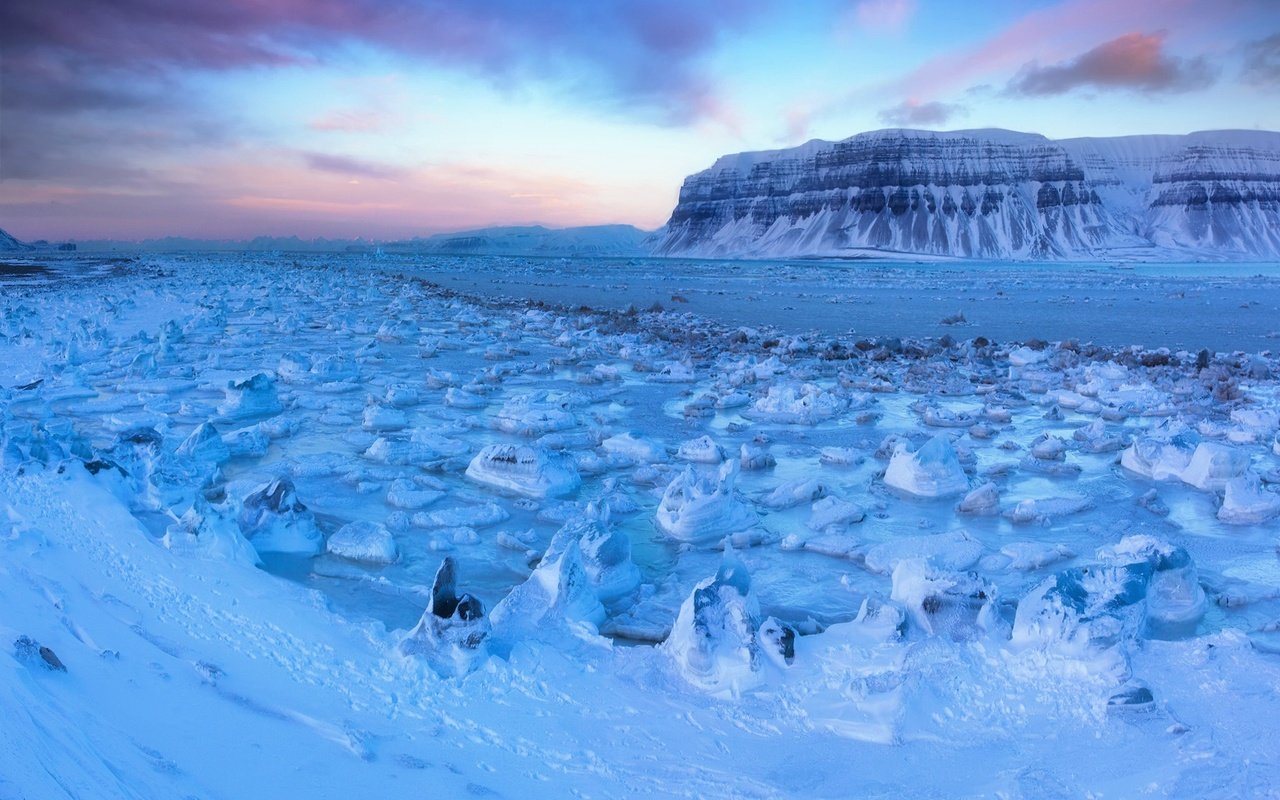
984,194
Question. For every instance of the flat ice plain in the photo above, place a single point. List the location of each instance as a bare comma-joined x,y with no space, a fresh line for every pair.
780,539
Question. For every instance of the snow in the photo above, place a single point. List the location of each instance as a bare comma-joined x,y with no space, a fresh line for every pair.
986,193
338,611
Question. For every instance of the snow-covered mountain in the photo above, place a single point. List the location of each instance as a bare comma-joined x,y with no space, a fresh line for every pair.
10,244
593,240
988,194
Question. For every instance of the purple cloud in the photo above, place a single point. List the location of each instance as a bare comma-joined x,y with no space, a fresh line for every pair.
638,52
911,113
353,167
1134,61
1262,61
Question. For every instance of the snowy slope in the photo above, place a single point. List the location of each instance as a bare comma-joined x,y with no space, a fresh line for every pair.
988,194
8,243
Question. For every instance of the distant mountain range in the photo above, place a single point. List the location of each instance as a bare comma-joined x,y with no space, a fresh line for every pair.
991,194
595,240
534,240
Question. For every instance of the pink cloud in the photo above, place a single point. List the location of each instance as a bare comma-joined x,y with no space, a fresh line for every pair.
1133,61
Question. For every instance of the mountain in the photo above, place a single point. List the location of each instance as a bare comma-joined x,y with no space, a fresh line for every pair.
595,240
8,244
988,193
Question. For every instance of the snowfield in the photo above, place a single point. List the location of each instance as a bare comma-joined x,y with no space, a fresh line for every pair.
323,527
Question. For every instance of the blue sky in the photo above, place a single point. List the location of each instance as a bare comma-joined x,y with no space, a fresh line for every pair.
395,118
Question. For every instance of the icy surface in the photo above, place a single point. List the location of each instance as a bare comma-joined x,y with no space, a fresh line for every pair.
465,546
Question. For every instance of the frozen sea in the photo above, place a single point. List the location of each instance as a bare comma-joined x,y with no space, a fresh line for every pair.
837,529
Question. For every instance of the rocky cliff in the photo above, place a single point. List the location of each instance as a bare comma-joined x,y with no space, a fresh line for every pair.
987,194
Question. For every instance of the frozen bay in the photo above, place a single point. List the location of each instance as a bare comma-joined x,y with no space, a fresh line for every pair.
846,534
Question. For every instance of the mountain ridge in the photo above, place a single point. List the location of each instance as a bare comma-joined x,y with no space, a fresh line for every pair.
988,193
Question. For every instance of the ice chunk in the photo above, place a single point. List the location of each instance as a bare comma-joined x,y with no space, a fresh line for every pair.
953,551
528,470
205,444
1151,458
605,551
834,512
379,418
714,642
634,446
1046,508
1246,502
698,509
801,404
794,493
755,457
1035,555
558,595
983,500
939,417
211,532
453,630
275,520
464,516
534,414
406,494
932,471
1025,356
702,450
364,540
254,397
1213,464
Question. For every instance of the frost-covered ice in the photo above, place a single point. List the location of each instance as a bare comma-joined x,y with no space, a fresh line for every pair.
932,471
408,542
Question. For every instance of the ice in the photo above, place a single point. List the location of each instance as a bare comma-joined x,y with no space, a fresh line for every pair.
983,500
1246,502
1212,465
1156,459
802,404
605,553
953,551
479,516
715,641
698,508
205,444
124,490
794,493
833,512
559,598
210,532
252,397
379,419
273,519
453,631
1045,509
364,540
1035,555
932,471
702,450
528,470
534,414
634,446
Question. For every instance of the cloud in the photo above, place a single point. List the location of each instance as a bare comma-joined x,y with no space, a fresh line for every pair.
351,167
1262,61
911,113
640,53
884,16
1134,61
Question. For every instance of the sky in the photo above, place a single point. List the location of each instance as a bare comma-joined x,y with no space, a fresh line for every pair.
388,119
